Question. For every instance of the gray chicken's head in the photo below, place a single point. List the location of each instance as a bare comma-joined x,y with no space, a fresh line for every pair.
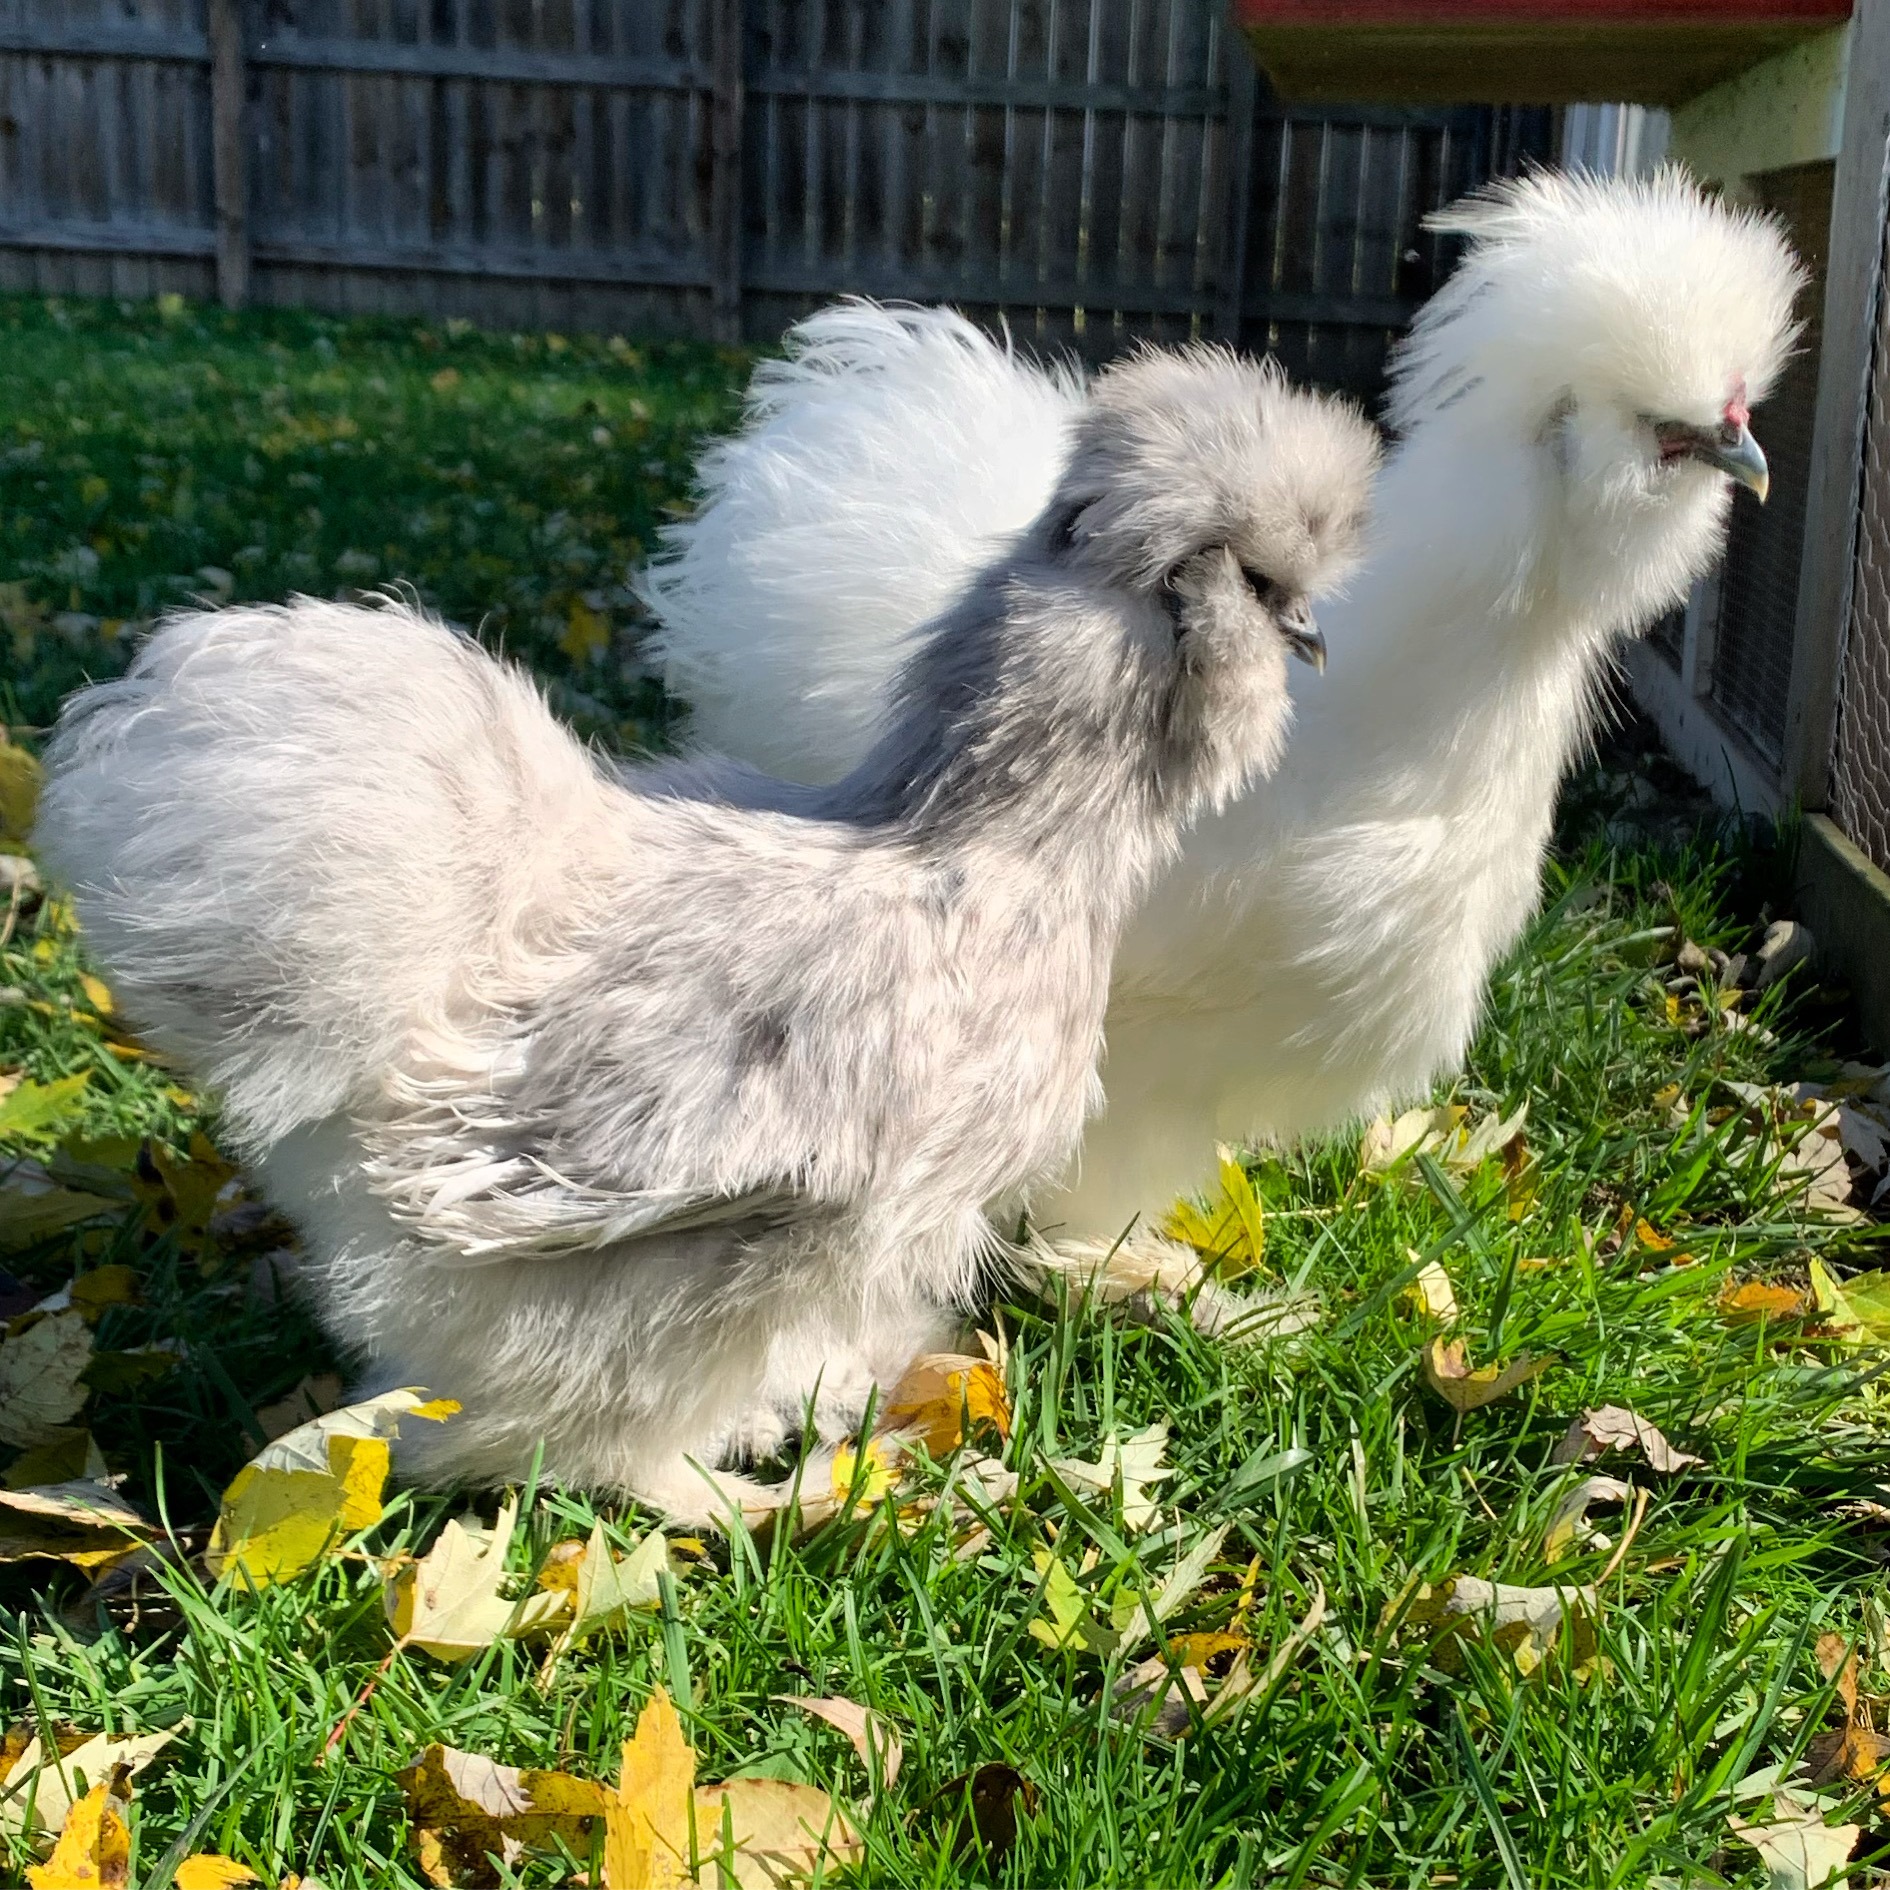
1225,501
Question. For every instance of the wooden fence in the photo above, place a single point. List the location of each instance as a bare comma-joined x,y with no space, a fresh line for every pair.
1091,169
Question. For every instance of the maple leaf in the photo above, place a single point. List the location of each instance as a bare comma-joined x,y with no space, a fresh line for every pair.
865,1729
1068,1623
94,1847
1800,1851
1431,1295
1133,1465
40,1367
87,1524
448,1602
1230,1233
1524,1623
62,1778
312,1486
603,1589
1448,1372
39,1112
1614,1427
647,1819
466,1810
942,1396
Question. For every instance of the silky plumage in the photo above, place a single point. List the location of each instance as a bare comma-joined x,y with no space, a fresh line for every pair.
1569,409
636,1109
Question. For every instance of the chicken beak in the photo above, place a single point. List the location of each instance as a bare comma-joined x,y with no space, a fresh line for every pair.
1739,456
1302,634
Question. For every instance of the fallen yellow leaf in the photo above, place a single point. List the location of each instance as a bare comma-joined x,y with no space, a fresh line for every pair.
312,1486
207,1871
1749,1301
1448,1372
647,1819
474,1809
1230,1233
942,1396
448,1602
94,1848
19,790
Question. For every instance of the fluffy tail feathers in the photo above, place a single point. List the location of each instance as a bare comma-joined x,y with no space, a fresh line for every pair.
295,834
884,461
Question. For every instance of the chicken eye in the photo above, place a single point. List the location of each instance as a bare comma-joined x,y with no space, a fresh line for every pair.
1263,587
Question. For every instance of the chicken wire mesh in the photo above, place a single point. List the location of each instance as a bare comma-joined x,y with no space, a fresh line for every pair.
1860,775
1758,592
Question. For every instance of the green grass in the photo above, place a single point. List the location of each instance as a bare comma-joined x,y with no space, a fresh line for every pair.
1378,1757
151,453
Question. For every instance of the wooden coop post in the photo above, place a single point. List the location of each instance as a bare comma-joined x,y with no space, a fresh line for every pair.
229,150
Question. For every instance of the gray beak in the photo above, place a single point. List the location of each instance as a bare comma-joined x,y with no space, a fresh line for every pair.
1302,636
1736,452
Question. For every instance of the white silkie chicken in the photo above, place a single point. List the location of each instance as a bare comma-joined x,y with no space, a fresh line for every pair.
1571,410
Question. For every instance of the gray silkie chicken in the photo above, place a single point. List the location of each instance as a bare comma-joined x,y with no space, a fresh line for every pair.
636,1109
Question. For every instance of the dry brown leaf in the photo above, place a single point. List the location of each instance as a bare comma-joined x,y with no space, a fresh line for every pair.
765,1832
1615,1427
94,1847
84,1523
40,1367
866,1730
1569,1531
992,1794
1168,1696
317,1394
1525,1623
468,1810
1448,1372
1800,1850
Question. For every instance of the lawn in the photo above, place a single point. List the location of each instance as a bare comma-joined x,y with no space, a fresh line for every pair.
1334,1698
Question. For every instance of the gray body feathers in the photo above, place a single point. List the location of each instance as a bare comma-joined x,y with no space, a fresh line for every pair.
634,1109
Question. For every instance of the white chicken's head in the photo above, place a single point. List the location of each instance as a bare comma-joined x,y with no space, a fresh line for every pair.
1627,325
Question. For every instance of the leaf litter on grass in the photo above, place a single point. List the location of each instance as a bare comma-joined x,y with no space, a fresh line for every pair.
917,1589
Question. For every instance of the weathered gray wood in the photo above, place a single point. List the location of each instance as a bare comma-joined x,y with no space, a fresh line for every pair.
229,93
725,171
1237,210
1853,286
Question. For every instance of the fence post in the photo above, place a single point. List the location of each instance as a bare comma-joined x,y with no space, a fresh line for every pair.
725,172
229,150
1242,92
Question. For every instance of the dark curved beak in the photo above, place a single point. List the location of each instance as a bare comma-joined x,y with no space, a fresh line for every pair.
1733,450
1302,635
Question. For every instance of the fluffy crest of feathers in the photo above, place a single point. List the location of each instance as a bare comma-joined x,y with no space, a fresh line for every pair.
636,1110
1641,292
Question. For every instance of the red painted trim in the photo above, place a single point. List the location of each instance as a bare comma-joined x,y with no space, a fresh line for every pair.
1486,14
